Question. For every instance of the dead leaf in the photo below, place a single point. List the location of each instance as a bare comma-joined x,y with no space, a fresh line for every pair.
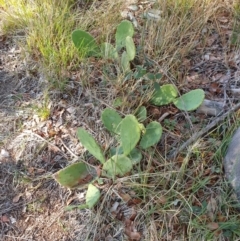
70,200
214,88
126,197
131,231
52,133
154,112
212,226
162,200
211,39
221,218
217,232
17,197
134,201
40,170
99,171
211,208
4,219
223,20
54,149
31,170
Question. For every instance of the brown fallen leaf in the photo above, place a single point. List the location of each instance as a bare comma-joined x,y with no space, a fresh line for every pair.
125,196
134,201
212,226
223,19
214,88
131,231
4,219
162,200
17,197
99,170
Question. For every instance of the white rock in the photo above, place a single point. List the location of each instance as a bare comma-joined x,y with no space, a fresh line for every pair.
133,7
124,14
4,153
13,220
71,110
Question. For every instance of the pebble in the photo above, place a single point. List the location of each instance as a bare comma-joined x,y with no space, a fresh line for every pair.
133,7
231,163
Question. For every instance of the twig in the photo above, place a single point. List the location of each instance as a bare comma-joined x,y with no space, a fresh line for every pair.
203,131
74,155
46,141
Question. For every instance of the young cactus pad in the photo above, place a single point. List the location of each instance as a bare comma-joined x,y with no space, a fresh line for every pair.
92,196
117,165
75,175
164,95
90,144
130,133
85,42
152,135
135,155
125,64
111,120
130,47
190,101
124,29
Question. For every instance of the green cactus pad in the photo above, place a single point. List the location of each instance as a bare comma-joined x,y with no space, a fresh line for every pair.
135,156
90,144
124,29
152,135
111,120
125,64
75,175
117,165
130,133
85,42
164,95
130,47
190,101
92,196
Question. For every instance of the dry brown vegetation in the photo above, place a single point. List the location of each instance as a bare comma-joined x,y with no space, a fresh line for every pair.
48,91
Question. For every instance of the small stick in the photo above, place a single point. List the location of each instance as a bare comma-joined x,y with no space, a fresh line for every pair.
195,136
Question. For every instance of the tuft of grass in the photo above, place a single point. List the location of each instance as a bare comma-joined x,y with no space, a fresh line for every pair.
178,31
48,25
15,14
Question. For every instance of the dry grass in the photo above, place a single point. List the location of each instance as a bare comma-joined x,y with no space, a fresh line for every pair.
182,199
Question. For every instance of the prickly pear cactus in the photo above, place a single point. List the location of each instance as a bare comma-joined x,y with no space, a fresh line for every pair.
125,64
130,47
90,144
111,120
164,95
130,133
190,101
152,135
117,165
85,43
124,29
75,175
